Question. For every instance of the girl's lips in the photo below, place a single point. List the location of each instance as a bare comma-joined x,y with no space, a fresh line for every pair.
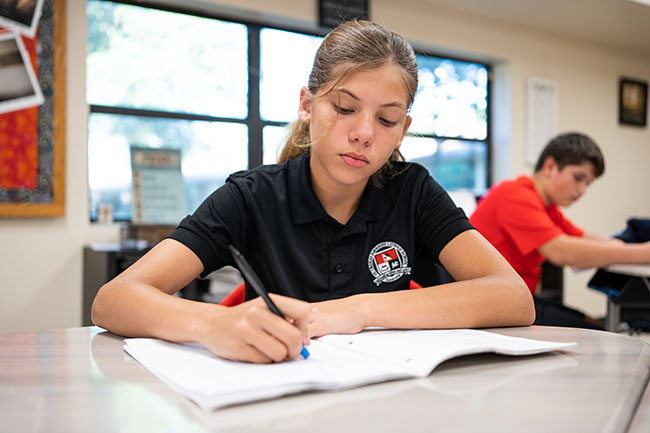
354,160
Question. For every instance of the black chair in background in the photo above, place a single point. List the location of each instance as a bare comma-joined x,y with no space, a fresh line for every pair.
549,307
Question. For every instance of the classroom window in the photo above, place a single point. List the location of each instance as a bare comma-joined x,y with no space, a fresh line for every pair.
449,132
283,72
223,92
157,78
158,60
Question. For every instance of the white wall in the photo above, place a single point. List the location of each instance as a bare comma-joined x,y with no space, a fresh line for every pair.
41,259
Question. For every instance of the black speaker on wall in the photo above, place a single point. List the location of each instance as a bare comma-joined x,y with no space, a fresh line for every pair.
331,13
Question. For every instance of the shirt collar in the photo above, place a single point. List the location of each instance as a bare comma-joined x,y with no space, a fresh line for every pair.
375,205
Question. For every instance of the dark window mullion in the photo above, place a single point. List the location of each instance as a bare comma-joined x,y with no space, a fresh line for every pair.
160,114
444,137
488,138
255,125
273,123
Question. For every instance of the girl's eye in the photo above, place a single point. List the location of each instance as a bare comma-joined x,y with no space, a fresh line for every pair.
342,110
387,122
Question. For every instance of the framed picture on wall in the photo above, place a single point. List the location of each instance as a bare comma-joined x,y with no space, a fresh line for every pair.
32,127
632,102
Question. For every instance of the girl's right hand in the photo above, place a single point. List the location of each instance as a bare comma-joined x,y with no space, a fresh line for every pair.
251,332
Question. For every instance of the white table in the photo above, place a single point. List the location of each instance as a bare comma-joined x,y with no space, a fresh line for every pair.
80,380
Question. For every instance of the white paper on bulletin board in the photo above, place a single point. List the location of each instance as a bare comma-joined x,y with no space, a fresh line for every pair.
542,115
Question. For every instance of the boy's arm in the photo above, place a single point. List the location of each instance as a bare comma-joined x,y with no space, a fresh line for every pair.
602,238
592,251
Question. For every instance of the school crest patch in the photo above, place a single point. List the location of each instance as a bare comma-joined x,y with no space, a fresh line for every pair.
388,262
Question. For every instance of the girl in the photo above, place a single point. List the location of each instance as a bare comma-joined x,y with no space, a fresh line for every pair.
333,231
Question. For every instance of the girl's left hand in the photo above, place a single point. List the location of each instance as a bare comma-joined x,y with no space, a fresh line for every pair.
338,316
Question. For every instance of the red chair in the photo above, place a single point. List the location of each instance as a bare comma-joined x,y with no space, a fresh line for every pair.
235,297
238,295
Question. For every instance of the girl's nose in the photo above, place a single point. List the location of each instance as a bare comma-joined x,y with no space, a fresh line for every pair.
362,130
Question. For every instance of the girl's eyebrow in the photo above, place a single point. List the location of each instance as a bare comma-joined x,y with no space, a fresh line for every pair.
356,98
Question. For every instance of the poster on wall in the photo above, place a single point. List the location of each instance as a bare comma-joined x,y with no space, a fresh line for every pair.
159,195
18,85
21,15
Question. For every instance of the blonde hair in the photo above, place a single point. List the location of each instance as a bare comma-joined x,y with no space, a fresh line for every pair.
352,46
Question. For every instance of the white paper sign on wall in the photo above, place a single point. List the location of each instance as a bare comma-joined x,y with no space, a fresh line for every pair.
542,115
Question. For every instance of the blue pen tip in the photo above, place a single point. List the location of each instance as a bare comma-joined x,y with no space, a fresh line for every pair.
304,352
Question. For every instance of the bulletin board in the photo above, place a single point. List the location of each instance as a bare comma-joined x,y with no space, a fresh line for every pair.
32,139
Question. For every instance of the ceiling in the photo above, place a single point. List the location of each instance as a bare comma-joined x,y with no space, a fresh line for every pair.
619,24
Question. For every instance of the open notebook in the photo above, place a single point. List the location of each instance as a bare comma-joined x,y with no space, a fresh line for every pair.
336,362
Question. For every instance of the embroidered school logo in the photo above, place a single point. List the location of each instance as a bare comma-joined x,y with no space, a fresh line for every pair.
388,262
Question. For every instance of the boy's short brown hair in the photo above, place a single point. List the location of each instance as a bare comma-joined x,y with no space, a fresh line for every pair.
573,148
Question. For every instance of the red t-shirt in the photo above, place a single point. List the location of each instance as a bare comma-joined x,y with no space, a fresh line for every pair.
512,216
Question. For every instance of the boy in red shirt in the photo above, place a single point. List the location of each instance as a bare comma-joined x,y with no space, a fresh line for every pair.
523,220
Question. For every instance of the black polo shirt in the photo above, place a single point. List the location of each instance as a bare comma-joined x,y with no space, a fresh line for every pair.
273,217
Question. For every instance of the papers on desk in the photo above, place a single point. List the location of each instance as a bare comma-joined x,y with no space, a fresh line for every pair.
336,362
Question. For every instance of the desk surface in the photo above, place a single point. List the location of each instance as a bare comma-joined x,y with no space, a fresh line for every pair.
80,380
639,270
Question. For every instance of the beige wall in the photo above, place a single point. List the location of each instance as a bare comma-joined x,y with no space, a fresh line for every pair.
41,259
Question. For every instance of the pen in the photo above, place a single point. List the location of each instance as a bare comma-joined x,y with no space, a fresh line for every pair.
254,281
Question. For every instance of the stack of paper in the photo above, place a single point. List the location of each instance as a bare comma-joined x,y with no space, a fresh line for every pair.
336,362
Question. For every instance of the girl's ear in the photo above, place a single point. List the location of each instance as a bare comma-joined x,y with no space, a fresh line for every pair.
409,119
304,109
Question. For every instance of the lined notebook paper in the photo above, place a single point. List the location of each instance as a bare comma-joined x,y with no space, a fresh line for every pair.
336,362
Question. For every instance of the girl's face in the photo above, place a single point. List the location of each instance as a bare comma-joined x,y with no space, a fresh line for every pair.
568,184
356,126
